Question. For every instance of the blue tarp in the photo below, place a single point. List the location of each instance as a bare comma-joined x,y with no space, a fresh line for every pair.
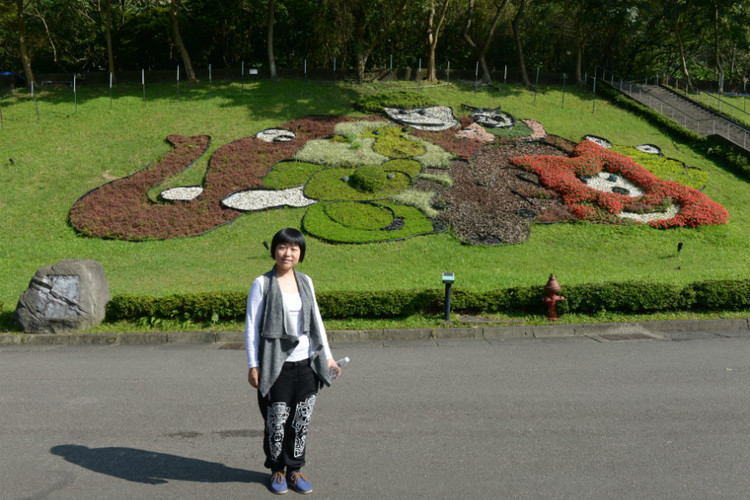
8,73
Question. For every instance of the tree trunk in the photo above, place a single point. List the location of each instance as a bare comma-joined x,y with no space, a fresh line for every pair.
365,50
519,46
579,63
25,59
717,57
431,44
269,40
433,31
180,45
108,36
481,52
683,60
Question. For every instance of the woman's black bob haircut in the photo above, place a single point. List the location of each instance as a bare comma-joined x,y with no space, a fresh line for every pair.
288,235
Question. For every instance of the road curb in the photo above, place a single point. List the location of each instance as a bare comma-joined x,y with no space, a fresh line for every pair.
666,330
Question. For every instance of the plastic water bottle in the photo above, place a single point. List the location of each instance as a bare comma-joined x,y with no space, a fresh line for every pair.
339,365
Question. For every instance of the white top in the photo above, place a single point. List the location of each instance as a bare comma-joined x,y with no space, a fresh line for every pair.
293,303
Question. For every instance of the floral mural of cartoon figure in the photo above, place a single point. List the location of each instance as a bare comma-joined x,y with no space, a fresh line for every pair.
368,179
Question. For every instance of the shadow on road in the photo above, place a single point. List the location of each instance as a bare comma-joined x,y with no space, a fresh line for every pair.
143,466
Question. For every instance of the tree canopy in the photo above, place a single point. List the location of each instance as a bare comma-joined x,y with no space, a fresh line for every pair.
692,39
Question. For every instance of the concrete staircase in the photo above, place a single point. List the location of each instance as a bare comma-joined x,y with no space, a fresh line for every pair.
688,113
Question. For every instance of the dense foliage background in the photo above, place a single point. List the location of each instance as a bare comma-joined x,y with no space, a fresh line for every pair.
693,39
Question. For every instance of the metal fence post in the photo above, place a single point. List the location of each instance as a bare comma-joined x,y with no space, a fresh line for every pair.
593,101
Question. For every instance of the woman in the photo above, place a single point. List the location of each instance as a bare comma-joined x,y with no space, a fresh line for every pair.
288,358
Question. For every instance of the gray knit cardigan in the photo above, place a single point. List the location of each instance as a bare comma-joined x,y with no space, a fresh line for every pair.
278,337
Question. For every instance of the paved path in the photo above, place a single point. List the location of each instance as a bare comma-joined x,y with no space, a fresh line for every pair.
573,417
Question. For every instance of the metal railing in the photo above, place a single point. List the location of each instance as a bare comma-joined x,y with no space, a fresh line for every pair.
713,124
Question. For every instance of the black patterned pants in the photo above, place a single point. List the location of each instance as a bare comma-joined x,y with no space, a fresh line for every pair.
287,411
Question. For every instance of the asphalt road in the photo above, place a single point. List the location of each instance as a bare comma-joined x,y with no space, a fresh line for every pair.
573,418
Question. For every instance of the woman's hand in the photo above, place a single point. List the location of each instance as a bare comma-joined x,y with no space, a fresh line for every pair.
253,376
332,366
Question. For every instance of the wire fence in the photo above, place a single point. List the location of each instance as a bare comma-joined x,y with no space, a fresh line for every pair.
207,78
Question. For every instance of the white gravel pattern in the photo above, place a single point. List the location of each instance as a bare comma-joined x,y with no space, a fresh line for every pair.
434,118
648,148
671,211
259,199
600,182
181,193
598,140
275,135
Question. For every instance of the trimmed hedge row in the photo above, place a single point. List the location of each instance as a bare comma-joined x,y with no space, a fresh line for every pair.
626,297
193,306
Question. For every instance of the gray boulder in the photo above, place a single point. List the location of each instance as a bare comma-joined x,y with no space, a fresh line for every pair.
67,296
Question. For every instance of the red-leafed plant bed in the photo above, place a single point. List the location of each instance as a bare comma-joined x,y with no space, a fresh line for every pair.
588,159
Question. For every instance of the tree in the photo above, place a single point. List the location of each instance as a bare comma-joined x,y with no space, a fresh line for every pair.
519,45
373,21
433,32
269,39
178,41
23,49
108,36
481,50
677,14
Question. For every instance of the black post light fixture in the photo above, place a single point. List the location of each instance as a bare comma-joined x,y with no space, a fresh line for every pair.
448,279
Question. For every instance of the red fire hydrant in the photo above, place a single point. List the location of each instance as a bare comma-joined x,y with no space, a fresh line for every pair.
552,289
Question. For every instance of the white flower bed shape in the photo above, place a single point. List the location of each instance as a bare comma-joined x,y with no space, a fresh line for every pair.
598,140
602,182
275,135
671,211
649,148
259,199
493,119
181,193
433,118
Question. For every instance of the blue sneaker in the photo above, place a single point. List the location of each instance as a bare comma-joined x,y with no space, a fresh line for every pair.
278,483
299,483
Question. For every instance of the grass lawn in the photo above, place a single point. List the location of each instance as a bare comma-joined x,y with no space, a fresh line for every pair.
738,107
65,153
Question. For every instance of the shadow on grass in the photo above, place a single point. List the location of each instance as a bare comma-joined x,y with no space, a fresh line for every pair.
149,467
264,99
8,323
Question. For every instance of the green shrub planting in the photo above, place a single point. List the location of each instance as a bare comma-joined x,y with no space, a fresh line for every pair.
721,294
374,103
288,174
408,167
519,129
359,215
369,179
393,142
408,221
329,184
626,297
668,169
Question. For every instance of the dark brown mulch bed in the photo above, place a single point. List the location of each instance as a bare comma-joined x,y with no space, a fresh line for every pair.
490,204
